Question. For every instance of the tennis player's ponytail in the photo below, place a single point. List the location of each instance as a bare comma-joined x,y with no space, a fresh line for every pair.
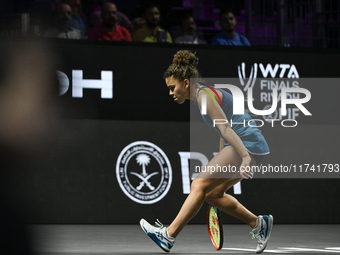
183,66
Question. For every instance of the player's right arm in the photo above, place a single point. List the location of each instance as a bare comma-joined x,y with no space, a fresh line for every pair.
215,112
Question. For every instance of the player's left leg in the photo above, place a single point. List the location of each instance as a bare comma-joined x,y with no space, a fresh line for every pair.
203,184
165,237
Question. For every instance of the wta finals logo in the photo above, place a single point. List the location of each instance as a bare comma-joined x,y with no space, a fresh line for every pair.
242,76
144,172
276,96
279,82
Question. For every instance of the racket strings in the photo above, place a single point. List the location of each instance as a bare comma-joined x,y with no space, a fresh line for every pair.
214,227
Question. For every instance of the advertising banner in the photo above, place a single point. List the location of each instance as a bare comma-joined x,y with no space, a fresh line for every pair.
125,150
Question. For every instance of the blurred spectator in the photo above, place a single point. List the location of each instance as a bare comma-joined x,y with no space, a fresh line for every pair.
228,36
28,120
63,27
108,30
96,18
151,32
188,28
78,18
138,23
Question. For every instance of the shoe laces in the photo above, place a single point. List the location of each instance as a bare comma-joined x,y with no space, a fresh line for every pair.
257,236
159,224
254,235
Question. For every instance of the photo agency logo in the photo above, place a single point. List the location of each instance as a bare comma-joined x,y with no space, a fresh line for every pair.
144,172
238,106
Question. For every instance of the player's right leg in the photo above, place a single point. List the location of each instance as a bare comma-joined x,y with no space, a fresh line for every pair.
261,225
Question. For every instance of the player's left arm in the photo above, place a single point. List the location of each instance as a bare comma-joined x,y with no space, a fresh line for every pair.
222,142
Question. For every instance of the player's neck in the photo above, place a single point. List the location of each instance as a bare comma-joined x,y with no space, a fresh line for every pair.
193,93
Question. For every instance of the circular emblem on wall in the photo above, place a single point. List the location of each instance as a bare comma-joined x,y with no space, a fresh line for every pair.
144,172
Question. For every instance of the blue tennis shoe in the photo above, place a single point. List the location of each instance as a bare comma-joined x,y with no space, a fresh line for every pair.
262,231
159,234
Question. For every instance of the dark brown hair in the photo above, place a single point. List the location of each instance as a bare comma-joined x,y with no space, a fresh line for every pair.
183,66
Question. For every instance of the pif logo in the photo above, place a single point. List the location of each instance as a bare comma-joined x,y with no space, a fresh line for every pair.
144,172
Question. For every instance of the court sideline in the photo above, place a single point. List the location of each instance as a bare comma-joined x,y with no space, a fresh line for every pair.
194,239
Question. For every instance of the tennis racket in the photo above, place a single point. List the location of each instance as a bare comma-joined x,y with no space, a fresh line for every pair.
215,228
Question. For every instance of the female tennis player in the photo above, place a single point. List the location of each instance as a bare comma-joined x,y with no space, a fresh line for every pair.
240,146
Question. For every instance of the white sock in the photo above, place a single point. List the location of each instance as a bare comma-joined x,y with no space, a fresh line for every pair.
167,233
